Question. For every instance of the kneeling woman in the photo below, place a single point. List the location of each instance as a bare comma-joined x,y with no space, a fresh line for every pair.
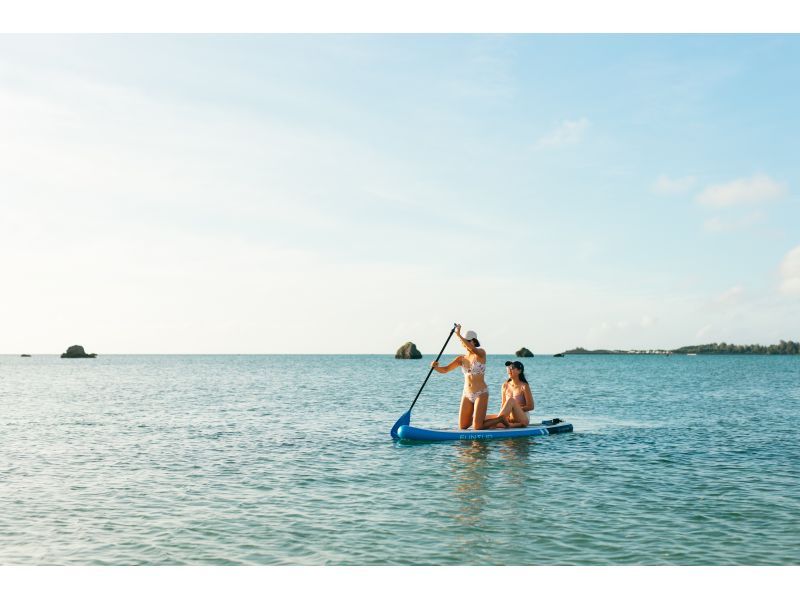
475,398
516,396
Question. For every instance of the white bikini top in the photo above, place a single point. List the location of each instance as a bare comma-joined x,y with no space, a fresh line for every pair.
477,368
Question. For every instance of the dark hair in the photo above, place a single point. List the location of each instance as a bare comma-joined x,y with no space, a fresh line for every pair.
476,342
521,374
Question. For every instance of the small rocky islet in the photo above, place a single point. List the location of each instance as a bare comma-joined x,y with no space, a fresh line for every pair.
77,352
408,351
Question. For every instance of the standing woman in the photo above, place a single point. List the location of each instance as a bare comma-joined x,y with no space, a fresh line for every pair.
517,398
475,398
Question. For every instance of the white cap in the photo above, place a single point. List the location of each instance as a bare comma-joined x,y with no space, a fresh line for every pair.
471,335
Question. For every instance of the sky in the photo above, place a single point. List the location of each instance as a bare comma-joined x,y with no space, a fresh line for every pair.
349,193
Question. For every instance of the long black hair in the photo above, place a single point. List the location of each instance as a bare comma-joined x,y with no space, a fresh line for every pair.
521,371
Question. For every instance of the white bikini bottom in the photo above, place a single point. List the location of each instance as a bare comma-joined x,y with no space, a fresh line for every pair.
471,396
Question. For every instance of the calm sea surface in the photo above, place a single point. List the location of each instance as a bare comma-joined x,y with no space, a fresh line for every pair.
288,460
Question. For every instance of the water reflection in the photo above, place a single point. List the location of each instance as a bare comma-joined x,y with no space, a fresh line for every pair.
470,472
518,473
490,481
516,450
473,467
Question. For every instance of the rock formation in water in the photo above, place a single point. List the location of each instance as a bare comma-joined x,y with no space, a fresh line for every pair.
524,353
76,351
408,351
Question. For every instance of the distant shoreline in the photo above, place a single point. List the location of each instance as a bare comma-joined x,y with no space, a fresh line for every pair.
782,348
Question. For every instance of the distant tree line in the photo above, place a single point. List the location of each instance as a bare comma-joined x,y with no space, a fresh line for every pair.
782,348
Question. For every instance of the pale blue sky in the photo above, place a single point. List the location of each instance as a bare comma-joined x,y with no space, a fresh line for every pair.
294,193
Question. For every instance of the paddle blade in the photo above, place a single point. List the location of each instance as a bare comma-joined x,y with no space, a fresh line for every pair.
404,420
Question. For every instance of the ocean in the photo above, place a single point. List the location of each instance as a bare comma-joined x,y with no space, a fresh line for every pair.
287,460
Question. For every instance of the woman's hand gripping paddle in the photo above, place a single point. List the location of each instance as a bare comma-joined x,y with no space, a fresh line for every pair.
405,419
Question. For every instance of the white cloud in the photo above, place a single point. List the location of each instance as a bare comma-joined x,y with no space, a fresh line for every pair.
665,185
755,189
790,272
569,132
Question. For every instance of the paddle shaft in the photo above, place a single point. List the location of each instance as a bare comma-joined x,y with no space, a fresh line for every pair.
431,370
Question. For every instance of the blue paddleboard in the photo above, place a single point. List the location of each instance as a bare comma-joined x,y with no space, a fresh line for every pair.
547,427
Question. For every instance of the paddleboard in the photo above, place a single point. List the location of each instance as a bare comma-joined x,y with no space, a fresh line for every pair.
547,427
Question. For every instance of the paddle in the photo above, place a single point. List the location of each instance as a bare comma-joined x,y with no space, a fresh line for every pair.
405,419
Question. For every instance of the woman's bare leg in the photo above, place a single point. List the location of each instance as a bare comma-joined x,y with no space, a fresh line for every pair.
465,413
518,418
513,414
480,421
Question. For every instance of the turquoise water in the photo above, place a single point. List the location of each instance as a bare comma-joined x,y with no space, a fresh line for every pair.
287,460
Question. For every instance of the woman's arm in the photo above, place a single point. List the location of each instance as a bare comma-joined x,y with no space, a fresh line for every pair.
529,406
467,344
449,367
